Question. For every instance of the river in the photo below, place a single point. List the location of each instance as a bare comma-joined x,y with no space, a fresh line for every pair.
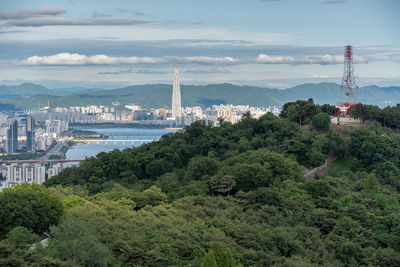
88,150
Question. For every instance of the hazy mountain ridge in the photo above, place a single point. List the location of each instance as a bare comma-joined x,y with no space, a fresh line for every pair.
25,89
159,95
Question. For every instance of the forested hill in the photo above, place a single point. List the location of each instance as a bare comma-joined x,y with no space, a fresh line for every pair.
232,195
159,95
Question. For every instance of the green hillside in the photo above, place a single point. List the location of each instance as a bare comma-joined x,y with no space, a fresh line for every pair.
159,95
230,196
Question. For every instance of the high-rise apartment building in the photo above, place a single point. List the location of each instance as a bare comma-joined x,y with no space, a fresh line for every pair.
12,137
30,134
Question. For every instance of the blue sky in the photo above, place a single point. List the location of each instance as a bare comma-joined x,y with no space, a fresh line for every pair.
268,43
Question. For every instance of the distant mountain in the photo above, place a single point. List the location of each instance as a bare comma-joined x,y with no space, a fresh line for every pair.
73,90
159,95
25,89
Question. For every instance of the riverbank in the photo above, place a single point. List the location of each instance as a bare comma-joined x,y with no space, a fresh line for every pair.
136,137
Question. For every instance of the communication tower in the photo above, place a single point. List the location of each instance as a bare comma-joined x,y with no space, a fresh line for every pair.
348,90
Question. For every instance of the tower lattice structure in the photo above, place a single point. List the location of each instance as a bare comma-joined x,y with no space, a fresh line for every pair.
348,89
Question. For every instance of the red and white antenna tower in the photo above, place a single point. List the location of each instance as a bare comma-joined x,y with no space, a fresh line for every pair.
348,90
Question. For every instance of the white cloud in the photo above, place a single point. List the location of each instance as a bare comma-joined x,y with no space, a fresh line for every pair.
78,59
59,59
208,60
69,59
318,59
319,76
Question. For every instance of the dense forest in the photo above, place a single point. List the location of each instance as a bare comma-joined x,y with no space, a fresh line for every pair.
387,117
232,195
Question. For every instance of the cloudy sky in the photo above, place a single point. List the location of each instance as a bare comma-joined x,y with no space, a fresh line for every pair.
268,43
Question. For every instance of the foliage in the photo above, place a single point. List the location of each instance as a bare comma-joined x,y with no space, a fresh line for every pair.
235,195
20,237
260,168
375,148
209,260
222,184
74,241
197,154
321,121
387,117
17,257
29,205
152,196
371,184
21,156
303,112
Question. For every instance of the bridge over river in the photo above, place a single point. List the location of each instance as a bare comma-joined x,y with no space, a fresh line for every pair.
42,161
114,141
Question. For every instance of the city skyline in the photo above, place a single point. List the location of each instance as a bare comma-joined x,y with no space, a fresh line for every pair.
273,44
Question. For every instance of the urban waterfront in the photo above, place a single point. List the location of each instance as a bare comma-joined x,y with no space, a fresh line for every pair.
88,150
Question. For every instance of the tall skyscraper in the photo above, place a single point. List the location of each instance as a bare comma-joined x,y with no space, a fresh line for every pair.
12,137
176,95
30,134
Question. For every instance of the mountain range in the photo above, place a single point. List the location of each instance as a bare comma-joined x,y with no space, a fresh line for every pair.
28,95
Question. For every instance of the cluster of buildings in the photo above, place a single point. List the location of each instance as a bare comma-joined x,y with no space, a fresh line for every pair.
23,133
176,116
35,130
162,116
17,173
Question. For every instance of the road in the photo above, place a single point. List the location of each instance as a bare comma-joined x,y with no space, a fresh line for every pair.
56,150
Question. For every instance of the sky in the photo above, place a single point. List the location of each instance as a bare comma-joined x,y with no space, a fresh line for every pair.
266,43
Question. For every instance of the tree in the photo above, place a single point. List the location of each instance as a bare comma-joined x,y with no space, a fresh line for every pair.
200,167
223,257
229,261
330,109
32,206
350,253
321,121
222,184
347,227
16,257
152,196
73,241
300,111
260,168
168,182
371,184
20,237
209,260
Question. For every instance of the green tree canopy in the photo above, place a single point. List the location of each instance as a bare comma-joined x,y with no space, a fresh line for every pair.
32,206
321,121
73,241
20,237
